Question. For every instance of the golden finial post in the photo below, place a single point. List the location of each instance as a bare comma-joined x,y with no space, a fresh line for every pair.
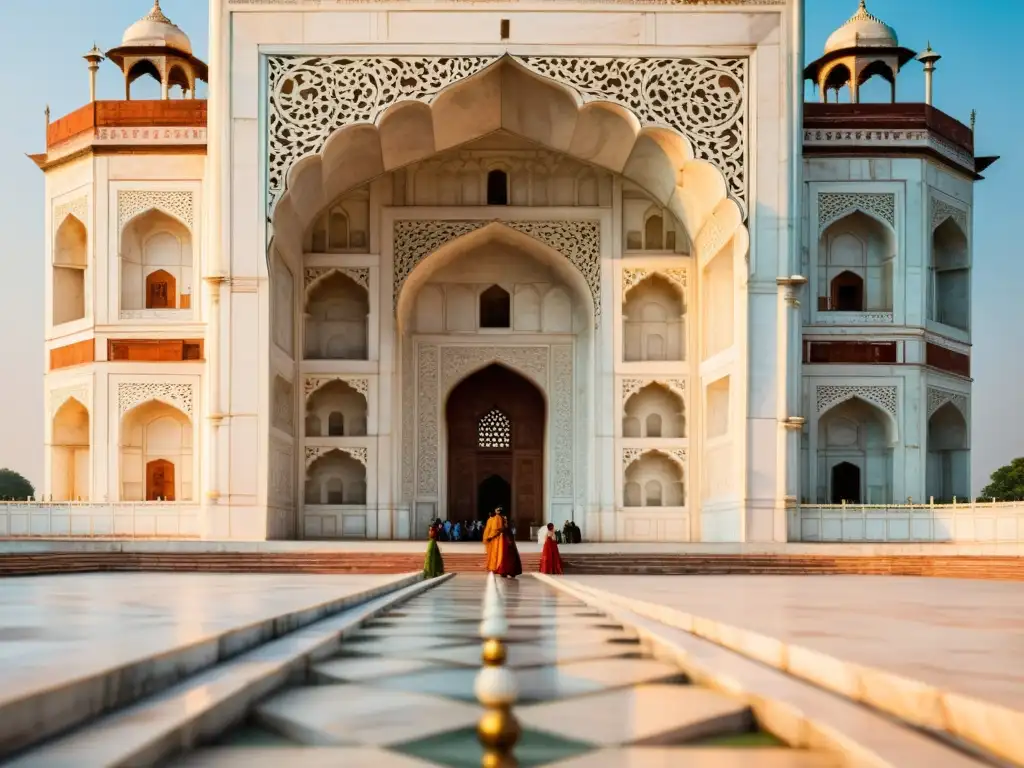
495,688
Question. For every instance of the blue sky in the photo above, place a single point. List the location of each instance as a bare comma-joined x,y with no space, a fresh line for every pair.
45,39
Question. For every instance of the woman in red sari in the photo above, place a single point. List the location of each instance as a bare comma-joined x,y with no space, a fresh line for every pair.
550,560
509,564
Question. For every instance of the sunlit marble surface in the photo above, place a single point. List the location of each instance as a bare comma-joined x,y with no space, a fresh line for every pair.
57,628
960,635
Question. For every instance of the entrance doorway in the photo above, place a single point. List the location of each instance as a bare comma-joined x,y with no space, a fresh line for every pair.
493,492
496,423
160,480
846,483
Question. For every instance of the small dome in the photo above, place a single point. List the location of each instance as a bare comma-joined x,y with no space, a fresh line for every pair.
862,31
154,30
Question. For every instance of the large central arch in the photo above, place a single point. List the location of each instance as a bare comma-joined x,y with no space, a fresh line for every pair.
507,97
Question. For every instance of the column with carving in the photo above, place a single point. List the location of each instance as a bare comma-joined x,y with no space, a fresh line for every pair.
214,522
792,423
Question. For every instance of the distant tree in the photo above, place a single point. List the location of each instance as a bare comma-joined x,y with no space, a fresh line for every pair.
1006,483
14,486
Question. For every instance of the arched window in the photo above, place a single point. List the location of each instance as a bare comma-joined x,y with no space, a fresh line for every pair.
848,292
335,424
654,425
495,308
161,290
846,483
652,492
335,490
654,233
494,430
497,188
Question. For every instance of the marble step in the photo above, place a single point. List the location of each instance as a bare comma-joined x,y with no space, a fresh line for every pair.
35,706
964,567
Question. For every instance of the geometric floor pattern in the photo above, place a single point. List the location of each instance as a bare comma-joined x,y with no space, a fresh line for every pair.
399,694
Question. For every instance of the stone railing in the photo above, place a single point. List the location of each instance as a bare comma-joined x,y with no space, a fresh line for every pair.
967,522
123,519
837,317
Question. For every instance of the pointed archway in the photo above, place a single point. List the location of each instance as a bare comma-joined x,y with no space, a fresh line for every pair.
496,436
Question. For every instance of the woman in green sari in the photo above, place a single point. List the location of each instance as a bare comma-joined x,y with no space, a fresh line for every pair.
433,565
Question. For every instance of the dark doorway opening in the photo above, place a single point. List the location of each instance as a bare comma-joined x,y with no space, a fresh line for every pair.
495,491
848,292
497,188
496,421
846,483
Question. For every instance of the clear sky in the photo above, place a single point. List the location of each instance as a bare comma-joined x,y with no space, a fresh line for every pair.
45,39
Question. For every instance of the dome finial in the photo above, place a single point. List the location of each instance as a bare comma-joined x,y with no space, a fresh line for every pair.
156,13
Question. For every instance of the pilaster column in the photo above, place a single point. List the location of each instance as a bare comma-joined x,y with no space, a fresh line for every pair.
791,423
214,412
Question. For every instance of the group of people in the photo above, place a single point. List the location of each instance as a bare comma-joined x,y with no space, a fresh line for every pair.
471,531
499,539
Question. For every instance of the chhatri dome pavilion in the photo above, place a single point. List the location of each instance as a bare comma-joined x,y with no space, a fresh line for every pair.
592,260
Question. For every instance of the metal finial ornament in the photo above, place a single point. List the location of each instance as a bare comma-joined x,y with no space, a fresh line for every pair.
974,119
495,687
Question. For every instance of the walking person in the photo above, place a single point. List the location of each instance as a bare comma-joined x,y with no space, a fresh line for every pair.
433,564
550,559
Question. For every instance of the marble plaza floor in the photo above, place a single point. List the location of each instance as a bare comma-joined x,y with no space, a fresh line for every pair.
59,632
958,635
400,695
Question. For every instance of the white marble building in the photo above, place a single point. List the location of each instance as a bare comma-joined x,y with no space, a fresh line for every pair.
592,260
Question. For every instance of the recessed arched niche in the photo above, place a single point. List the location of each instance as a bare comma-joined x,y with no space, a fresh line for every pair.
336,479
156,263
336,410
950,279
854,455
948,471
70,260
856,257
337,319
69,453
654,480
654,412
649,227
344,227
156,454
495,287
653,320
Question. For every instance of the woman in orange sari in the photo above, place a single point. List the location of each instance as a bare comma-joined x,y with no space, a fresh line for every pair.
550,559
492,541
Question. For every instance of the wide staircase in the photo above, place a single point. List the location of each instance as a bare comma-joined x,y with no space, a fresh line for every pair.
961,567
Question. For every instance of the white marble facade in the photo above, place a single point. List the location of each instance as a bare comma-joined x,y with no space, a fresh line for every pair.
368,203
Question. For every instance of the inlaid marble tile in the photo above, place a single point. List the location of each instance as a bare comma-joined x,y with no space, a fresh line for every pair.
300,757
717,757
355,670
644,715
361,715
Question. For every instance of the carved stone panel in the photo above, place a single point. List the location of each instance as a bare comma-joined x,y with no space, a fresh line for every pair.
578,241
939,397
941,210
884,397
833,206
704,99
79,208
358,275
176,203
315,452
131,394
313,383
